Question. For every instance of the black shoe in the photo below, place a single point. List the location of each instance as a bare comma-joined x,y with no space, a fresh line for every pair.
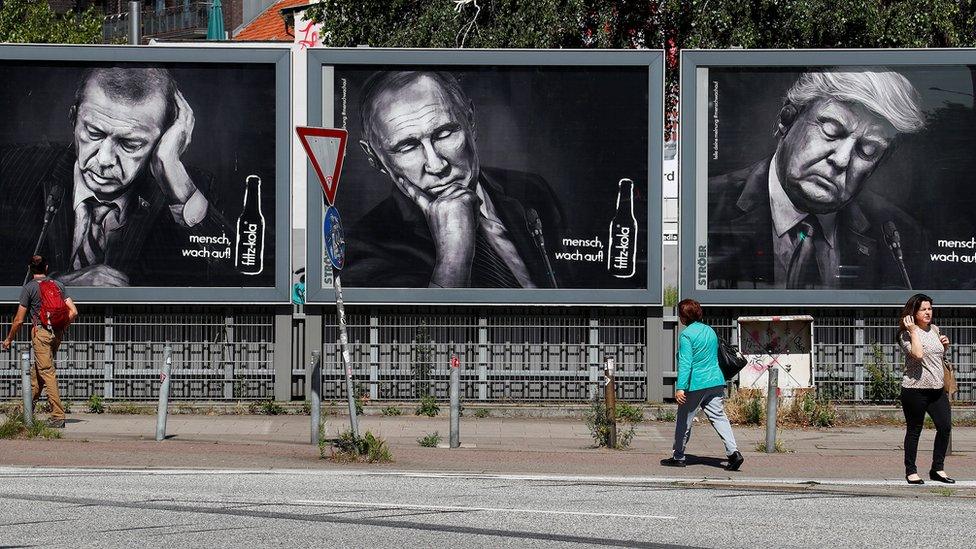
671,462
934,475
919,481
735,461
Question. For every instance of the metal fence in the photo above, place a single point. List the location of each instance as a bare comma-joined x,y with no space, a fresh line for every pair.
506,355
117,353
513,354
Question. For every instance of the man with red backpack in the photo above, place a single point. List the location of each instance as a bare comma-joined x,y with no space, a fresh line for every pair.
51,311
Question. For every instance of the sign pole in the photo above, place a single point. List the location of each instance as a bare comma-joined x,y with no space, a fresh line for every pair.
346,360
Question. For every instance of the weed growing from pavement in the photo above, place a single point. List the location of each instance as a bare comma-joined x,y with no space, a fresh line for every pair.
392,411
598,422
428,407
667,415
271,408
746,407
96,404
430,440
14,427
944,492
629,412
779,447
306,407
368,447
482,413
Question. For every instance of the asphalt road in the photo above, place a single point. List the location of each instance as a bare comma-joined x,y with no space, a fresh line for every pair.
194,508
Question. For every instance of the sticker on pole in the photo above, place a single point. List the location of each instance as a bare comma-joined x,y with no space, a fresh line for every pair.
335,241
325,148
455,361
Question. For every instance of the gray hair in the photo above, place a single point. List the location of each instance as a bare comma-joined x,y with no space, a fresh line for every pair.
879,89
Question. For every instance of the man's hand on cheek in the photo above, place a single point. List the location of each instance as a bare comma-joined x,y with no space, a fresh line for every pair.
166,165
452,218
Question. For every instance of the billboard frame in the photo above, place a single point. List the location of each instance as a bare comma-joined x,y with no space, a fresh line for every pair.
318,293
694,59
278,57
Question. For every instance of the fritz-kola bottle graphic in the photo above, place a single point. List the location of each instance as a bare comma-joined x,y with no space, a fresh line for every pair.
622,251
249,251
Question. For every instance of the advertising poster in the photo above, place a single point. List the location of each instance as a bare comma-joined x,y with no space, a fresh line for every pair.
494,176
139,174
821,178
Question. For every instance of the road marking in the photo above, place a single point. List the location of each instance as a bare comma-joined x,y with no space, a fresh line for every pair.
457,508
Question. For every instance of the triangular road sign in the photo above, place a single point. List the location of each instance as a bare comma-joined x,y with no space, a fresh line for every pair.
325,148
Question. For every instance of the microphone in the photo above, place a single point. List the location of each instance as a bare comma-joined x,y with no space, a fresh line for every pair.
534,225
51,205
893,240
53,202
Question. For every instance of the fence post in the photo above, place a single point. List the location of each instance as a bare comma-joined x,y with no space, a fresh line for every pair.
229,358
164,377
315,392
859,352
455,401
135,24
771,398
482,356
25,382
593,352
374,355
108,368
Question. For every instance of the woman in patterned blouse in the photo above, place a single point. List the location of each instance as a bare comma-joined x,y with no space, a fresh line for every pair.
922,386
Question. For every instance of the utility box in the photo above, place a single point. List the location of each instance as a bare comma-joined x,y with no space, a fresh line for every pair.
782,341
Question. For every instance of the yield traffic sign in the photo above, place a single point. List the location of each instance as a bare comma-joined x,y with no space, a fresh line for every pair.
325,148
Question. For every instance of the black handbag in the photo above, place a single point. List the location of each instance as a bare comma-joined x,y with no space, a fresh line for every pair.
730,359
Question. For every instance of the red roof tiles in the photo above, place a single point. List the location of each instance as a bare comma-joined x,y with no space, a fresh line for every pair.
270,25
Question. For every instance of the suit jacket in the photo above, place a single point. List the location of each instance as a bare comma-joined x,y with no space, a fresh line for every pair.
391,246
740,242
149,249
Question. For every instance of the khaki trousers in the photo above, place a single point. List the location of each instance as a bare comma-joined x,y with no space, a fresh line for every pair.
42,372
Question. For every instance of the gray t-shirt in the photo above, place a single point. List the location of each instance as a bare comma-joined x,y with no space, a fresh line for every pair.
925,372
30,297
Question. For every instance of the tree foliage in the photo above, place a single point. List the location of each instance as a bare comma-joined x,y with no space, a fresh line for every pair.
33,21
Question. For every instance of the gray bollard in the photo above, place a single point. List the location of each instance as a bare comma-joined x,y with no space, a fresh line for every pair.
455,402
164,377
771,401
315,386
25,382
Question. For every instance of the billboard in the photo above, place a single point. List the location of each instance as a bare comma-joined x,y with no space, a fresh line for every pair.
160,178
828,177
493,177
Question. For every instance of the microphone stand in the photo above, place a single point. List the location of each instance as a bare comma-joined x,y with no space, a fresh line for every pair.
48,213
545,257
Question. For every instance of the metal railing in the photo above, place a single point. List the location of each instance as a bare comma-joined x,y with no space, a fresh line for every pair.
516,354
187,20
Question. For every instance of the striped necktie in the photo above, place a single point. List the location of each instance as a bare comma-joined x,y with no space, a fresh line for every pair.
487,269
91,251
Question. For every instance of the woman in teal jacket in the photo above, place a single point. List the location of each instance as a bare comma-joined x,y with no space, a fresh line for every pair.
700,384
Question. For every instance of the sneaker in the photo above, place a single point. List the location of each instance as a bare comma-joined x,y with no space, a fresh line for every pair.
735,461
55,423
671,462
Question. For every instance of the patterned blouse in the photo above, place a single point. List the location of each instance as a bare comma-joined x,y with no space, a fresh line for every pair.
925,372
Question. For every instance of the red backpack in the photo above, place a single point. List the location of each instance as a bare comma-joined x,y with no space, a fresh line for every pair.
54,311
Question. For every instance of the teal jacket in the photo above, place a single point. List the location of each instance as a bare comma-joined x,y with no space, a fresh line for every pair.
698,359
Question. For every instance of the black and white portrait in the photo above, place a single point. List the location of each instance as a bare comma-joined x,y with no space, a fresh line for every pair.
138,175
837,178
494,177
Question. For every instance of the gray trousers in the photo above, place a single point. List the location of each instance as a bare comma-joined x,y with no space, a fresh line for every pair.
713,402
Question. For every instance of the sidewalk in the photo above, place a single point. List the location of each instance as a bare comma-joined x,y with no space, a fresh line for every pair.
489,445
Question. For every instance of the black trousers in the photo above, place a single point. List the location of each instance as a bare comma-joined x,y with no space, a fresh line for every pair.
915,403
